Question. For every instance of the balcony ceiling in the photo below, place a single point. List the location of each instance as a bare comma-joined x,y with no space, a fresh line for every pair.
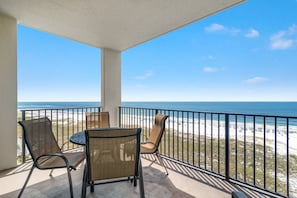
113,24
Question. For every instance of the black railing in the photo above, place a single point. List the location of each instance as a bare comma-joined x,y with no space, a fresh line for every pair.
65,122
256,151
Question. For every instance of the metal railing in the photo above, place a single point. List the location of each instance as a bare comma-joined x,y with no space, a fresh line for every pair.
65,122
256,151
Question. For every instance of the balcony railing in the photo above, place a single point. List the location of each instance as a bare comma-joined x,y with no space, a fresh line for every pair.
256,151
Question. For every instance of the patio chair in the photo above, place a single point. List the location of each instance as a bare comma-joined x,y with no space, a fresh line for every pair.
152,144
120,164
45,151
97,120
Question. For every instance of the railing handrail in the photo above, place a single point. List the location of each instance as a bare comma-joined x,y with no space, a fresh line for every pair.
212,112
56,108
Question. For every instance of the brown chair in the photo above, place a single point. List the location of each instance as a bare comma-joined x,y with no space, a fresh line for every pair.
97,120
120,164
152,144
45,151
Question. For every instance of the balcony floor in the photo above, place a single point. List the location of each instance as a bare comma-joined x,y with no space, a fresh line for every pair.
156,184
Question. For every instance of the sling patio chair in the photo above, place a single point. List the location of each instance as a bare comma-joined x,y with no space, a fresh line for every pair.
97,120
45,151
121,164
152,144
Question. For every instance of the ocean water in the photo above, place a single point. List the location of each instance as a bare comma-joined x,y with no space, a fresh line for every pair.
53,105
257,108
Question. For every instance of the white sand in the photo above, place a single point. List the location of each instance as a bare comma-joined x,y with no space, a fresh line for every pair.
207,128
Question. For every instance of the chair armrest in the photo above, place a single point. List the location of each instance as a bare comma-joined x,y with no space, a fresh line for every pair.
60,155
147,143
148,147
62,149
51,155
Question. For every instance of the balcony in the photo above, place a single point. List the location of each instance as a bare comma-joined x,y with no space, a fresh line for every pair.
206,152
224,147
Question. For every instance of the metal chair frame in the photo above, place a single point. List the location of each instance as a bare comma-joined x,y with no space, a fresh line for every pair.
43,158
157,131
108,134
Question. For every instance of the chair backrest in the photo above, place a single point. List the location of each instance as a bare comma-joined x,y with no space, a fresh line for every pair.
39,137
157,130
112,153
97,120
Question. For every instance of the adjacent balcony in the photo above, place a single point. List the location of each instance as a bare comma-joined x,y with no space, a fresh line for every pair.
209,154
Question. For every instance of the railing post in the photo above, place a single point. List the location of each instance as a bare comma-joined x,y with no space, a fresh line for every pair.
23,139
227,147
120,117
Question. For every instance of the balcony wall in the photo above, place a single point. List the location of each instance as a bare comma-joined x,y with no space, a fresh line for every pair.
8,91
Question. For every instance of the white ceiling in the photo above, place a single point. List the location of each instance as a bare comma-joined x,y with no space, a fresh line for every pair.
114,24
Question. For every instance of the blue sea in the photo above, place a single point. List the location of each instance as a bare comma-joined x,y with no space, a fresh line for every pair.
258,108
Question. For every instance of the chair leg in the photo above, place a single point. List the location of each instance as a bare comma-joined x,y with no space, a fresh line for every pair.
141,185
92,187
84,183
26,182
135,181
51,173
161,162
70,182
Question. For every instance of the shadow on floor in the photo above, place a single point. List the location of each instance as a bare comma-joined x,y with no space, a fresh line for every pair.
206,178
157,184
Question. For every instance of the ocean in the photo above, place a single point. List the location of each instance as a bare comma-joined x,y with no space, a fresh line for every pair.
257,108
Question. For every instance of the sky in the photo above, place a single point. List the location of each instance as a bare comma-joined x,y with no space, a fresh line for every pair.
245,53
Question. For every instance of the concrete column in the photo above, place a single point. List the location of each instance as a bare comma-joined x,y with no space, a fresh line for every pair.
111,83
8,92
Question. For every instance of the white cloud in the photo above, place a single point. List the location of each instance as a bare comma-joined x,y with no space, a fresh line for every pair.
256,80
220,28
284,39
252,33
145,76
280,43
215,28
210,69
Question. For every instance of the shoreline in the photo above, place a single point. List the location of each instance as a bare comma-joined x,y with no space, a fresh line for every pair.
210,129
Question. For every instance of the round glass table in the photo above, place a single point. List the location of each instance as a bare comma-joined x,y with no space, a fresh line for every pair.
78,138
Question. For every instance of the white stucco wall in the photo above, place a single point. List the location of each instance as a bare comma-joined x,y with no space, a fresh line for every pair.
8,92
111,83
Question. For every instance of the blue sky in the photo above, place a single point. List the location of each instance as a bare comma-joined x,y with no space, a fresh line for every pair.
246,53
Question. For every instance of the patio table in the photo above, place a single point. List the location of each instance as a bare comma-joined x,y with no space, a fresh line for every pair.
79,138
